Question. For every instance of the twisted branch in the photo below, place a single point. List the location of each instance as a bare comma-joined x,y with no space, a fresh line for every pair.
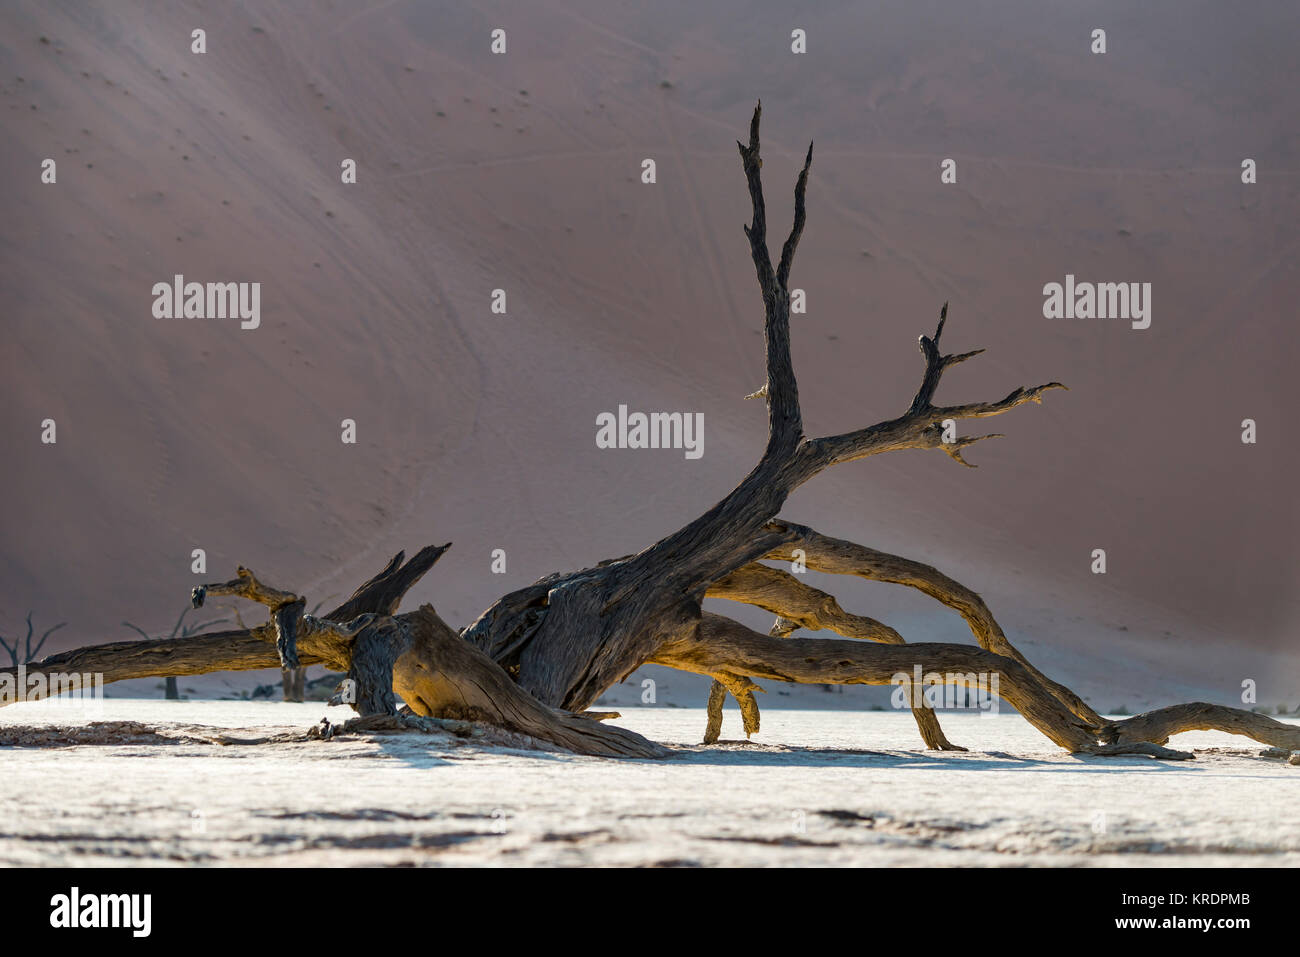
799,605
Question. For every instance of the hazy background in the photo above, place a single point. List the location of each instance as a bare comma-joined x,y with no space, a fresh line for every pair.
522,172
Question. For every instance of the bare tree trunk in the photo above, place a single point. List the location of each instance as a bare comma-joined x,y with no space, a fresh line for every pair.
568,638
170,690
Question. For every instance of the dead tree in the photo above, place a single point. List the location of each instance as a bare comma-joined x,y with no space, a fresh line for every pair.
540,656
21,650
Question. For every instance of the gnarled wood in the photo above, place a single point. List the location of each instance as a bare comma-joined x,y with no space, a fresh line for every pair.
441,675
571,637
415,655
383,593
723,647
234,650
799,605
1159,725
838,557
541,653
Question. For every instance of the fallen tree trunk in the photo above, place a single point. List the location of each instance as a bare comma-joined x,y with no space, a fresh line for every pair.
540,657
415,655
1159,725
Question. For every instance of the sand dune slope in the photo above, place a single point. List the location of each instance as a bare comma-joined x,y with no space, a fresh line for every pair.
522,172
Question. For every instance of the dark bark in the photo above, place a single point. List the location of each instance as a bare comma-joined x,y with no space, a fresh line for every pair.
569,638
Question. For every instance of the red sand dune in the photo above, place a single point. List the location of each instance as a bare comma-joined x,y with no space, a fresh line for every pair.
521,172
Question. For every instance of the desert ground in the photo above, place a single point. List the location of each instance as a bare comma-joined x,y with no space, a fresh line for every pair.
521,172
842,788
